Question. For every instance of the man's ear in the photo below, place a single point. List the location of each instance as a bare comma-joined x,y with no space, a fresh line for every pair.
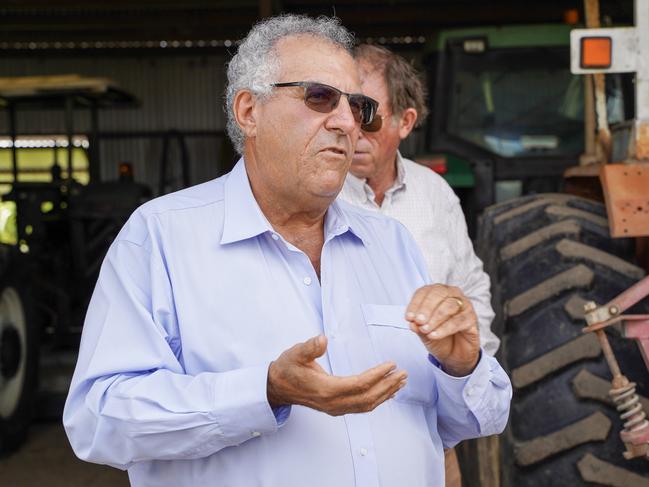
407,122
244,112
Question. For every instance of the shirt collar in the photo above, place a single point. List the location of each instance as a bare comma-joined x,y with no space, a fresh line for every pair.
244,219
242,216
337,223
401,173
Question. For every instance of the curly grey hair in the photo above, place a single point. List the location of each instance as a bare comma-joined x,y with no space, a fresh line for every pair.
255,66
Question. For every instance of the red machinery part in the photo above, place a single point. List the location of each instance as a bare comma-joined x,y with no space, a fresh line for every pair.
635,434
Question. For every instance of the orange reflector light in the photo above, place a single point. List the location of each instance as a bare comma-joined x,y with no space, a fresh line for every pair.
596,52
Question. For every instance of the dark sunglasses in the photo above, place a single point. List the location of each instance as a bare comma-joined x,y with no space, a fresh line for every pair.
324,99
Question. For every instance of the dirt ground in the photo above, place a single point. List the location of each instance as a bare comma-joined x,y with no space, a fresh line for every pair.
47,460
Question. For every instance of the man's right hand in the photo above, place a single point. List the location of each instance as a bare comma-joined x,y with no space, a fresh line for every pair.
296,378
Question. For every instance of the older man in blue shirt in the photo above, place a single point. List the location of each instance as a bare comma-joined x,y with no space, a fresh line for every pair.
253,330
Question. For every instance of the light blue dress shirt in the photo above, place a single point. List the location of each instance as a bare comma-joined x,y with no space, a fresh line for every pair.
198,294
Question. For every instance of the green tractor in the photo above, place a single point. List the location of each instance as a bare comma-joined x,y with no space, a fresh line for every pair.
507,122
506,113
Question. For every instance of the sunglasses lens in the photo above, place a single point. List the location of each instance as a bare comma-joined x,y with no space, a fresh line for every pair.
321,98
374,126
357,106
363,108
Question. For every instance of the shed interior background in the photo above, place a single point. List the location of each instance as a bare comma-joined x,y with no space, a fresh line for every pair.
172,57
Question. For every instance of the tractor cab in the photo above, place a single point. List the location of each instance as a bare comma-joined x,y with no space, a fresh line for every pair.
507,114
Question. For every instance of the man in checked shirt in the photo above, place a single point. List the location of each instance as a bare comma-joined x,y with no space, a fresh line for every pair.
381,179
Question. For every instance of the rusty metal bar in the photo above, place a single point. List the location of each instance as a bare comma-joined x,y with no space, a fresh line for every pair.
631,296
618,380
605,324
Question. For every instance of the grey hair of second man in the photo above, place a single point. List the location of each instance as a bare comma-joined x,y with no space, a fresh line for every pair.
255,66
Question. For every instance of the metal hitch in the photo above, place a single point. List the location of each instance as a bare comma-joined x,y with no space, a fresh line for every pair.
635,434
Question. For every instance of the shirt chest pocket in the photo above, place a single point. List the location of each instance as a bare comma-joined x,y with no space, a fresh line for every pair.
393,340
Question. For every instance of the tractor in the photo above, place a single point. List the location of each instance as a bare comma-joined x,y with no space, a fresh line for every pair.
525,143
55,233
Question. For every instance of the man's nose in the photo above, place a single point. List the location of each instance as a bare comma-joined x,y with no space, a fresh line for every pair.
342,118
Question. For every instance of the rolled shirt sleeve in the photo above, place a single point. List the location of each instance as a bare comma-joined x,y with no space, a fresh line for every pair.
130,399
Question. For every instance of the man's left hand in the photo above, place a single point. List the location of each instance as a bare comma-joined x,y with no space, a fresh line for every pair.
446,323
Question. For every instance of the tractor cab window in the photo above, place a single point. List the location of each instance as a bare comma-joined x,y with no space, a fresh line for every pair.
41,159
517,102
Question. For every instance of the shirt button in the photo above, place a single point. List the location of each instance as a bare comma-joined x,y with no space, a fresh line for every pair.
255,434
275,236
363,451
307,281
470,391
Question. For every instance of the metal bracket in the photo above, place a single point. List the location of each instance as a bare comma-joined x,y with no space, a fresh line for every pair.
627,203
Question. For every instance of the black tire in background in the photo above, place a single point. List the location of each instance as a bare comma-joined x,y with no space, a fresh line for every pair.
18,360
547,255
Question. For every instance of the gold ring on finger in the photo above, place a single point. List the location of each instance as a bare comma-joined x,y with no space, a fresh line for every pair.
459,302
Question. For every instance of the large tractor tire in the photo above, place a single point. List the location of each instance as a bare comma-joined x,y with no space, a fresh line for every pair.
18,361
547,255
